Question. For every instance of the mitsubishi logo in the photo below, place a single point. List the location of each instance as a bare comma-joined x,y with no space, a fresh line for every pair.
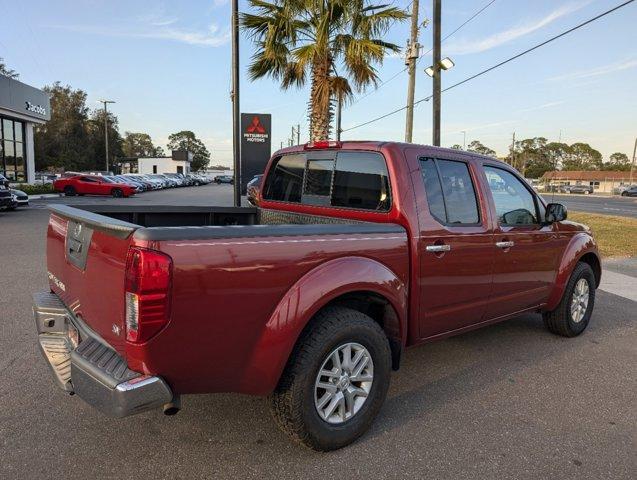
255,126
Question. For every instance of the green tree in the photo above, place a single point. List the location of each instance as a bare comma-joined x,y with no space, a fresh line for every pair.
455,146
63,142
186,140
530,157
95,128
617,161
6,71
319,39
140,145
477,147
557,153
582,157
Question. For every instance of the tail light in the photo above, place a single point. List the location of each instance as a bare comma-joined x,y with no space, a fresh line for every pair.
147,286
321,144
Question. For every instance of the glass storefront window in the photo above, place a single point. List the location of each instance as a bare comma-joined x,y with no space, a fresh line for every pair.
12,152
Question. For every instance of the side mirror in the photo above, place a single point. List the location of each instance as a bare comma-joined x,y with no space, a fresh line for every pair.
555,212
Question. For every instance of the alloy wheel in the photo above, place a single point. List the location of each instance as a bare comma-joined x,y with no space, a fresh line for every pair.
579,300
343,383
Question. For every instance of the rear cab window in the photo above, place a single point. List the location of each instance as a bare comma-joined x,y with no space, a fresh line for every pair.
340,179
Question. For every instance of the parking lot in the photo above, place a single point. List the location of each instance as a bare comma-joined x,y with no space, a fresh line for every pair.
506,401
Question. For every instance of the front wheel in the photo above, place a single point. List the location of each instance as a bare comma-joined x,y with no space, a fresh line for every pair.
117,193
69,191
335,381
572,315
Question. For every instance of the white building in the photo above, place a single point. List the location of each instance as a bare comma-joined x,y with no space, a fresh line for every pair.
178,162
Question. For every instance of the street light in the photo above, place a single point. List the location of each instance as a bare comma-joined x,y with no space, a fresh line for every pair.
445,64
464,139
105,102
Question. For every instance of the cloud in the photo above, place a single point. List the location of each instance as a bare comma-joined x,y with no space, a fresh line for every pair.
542,106
462,47
597,72
214,36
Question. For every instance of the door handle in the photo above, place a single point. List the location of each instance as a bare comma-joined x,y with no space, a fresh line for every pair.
506,244
438,248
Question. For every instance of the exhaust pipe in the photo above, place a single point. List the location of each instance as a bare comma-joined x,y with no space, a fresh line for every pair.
171,408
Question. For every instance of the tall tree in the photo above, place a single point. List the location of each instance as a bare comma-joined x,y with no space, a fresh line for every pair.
63,142
186,140
6,71
617,161
335,43
582,157
140,145
477,147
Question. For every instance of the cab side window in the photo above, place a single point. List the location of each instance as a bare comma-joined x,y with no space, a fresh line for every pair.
514,203
450,192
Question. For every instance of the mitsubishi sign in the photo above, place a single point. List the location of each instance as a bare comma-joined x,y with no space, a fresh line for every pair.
256,139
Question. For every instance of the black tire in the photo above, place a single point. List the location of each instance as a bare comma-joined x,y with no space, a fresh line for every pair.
292,403
624,194
117,193
560,321
69,191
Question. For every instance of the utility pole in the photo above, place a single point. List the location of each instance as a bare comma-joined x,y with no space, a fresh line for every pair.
513,151
632,165
464,139
339,112
105,102
236,116
436,72
298,134
413,51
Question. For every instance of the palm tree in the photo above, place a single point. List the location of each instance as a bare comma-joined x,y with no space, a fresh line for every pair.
297,39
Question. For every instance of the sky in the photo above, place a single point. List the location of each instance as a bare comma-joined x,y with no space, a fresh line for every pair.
167,65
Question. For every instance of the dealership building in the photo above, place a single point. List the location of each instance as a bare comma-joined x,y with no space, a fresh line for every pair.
22,107
178,162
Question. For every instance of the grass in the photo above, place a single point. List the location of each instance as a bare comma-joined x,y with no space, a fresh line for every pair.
616,236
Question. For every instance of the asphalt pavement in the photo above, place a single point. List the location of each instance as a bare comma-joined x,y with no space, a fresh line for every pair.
507,401
620,206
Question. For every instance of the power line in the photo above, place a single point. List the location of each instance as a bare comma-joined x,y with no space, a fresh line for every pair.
396,75
498,64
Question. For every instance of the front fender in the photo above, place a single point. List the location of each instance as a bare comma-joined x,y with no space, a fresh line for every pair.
580,245
304,299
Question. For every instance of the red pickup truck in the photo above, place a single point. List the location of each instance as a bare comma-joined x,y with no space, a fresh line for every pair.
356,251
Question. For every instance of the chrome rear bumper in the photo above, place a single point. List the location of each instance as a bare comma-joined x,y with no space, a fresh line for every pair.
84,364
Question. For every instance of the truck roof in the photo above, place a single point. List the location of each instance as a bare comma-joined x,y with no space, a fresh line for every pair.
377,145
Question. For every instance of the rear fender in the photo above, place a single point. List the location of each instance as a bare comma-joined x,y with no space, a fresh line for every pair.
304,299
580,245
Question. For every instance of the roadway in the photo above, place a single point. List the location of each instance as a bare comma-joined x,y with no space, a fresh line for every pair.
620,206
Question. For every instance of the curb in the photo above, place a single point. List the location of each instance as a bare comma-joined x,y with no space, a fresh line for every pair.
42,196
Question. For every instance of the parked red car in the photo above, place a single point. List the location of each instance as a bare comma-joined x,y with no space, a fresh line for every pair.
92,185
358,251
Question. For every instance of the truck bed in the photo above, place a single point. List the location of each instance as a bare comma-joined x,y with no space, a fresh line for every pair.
235,280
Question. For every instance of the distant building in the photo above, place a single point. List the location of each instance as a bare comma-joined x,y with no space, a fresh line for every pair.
601,181
178,162
21,108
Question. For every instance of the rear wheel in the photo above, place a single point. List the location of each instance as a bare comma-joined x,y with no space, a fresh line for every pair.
335,381
70,191
572,315
624,194
117,192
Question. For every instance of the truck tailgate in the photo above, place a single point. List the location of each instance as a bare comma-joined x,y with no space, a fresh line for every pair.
86,261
